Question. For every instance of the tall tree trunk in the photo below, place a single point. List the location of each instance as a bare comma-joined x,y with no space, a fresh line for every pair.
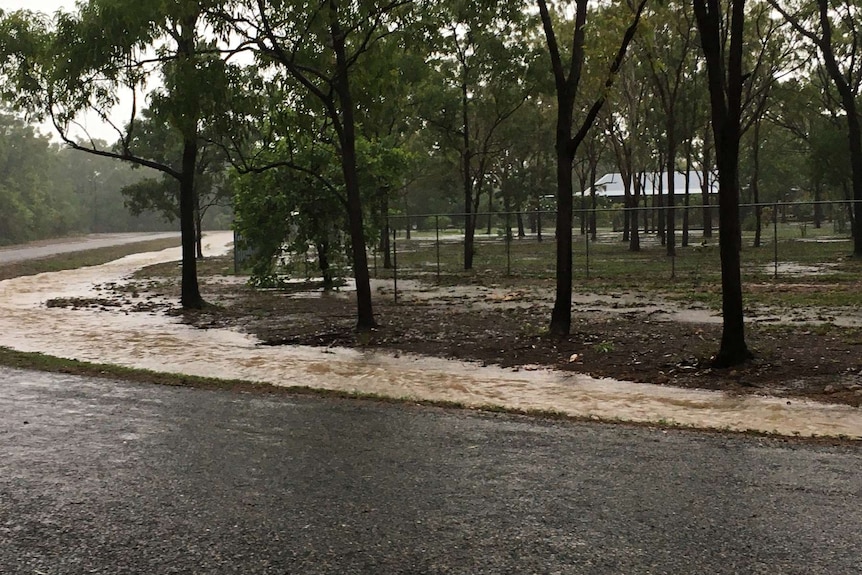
490,208
818,208
671,189
190,295
635,239
385,233
521,231
323,264
347,139
726,107
755,187
660,211
593,200
561,316
687,200
707,184
199,233
627,216
466,167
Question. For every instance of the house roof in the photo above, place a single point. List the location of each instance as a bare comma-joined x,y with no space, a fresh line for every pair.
611,184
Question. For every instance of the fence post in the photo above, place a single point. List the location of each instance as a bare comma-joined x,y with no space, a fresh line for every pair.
395,263
587,237
775,237
437,230
508,244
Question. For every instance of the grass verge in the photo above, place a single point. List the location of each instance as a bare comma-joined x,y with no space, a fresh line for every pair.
74,260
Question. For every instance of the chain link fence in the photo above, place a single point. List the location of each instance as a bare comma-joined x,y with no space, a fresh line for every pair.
779,241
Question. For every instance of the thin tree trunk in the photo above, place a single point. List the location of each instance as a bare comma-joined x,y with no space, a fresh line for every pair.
635,239
671,191
755,188
347,139
707,186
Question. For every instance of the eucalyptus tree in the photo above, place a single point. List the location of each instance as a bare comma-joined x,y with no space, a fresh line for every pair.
481,65
834,27
295,201
33,205
318,46
386,99
721,37
568,136
771,55
105,54
805,108
668,36
625,126
155,138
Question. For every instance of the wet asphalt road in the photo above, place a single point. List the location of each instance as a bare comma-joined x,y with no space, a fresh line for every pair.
49,248
105,477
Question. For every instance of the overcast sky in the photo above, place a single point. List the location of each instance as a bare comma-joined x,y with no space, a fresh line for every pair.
93,124
47,6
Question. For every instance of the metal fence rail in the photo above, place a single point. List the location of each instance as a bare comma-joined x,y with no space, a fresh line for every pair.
794,238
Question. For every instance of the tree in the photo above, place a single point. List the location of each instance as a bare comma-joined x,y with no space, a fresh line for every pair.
725,81
318,46
154,138
834,28
480,81
106,47
567,79
669,52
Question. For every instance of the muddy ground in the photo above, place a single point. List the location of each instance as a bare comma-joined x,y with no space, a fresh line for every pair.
622,336
627,336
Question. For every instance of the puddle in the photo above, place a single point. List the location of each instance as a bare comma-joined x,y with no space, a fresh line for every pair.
797,269
159,343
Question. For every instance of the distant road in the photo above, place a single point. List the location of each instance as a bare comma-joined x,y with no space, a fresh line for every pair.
104,477
48,248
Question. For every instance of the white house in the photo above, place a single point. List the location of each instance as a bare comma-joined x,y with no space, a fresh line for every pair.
611,185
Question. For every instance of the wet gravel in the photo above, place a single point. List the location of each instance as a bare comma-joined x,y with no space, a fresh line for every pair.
108,477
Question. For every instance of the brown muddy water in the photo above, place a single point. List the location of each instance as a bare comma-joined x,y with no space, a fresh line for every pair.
158,342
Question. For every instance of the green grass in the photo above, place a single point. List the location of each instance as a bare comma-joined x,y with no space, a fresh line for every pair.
607,266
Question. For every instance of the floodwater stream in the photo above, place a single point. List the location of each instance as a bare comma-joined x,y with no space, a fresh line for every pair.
158,342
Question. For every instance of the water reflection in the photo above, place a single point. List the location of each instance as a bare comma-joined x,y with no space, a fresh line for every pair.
159,343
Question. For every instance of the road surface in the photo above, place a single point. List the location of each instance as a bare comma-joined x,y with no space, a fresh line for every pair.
47,248
107,477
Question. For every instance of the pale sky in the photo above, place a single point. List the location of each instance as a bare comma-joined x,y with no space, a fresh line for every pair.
47,6
91,121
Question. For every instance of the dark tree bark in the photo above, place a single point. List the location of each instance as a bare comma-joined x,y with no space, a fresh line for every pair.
670,213
755,187
725,79
466,161
566,144
190,295
687,198
634,235
347,140
706,184
199,232
385,232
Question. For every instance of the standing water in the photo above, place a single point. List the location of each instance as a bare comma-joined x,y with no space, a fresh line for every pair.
161,343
